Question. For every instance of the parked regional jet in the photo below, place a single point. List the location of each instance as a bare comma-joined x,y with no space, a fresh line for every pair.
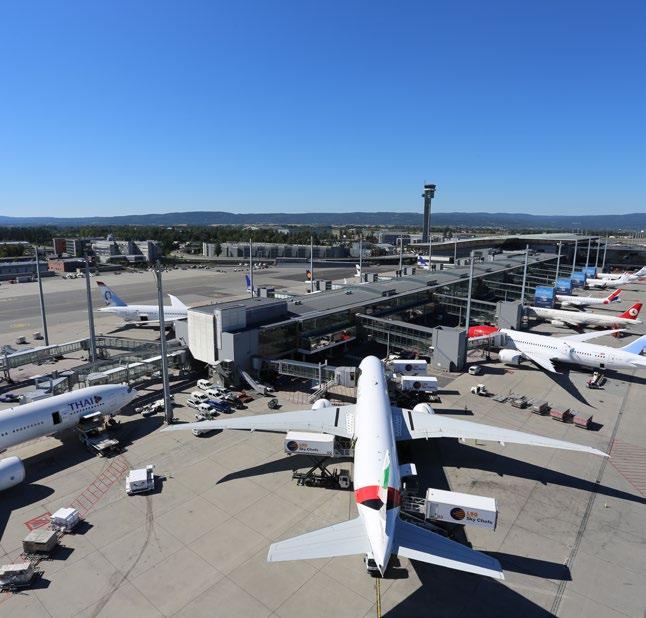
611,283
632,276
581,319
573,349
375,427
51,416
586,301
140,313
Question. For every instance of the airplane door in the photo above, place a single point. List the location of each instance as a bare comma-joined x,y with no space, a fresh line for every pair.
56,417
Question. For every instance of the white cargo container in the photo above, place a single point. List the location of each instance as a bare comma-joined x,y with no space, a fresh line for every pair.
422,384
409,367
141,480
309,443
65,519
457,508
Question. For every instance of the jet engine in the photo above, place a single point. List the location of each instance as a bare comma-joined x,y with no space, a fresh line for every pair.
510,357
130,316
321,403
557,323
12,472
425,408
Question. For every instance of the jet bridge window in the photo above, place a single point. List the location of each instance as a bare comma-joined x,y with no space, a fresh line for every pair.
56,417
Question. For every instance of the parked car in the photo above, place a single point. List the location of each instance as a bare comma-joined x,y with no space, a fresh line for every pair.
9,398
191,402
220,405
199,396
204,385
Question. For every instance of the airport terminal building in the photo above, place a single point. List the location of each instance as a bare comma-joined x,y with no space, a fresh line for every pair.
403,309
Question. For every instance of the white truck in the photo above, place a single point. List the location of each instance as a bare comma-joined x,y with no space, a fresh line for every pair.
140,481
421,384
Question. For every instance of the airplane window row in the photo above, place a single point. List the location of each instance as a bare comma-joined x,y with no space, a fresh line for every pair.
6,433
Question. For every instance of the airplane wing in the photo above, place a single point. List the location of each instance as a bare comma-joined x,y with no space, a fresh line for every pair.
414,425
337,420
344,539
544,362
592,335
416,543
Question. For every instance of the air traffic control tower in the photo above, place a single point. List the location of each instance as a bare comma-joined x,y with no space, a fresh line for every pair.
428,195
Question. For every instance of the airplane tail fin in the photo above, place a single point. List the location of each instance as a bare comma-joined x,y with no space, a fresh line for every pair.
637,346
632,312
111,298
308,275
358,273
411,541
641,272
176,302
247,279
614,297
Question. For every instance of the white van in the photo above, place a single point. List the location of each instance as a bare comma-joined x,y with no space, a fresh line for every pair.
204,385
199,396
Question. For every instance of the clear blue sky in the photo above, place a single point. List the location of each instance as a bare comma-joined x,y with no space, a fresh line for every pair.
132,107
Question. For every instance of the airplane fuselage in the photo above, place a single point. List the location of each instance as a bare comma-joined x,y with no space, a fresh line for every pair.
574,352
580,318
145,313
376,467
55,414
582,301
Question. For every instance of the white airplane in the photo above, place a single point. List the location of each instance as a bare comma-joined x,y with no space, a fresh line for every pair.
611,283
585,301
632,276
581,319
572,349
140,313
423,262
375,427
51,416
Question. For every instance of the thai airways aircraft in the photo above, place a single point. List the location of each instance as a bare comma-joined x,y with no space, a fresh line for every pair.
581,319
375,427
586,301
572,349
140,313
423,262
51,416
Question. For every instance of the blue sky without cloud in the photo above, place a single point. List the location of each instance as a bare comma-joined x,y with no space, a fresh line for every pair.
133,107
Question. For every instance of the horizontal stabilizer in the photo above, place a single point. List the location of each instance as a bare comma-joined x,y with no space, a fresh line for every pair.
336,420
344,539
416,543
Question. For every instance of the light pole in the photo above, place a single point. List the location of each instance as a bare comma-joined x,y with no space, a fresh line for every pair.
576,247
587,256
401,254
360,257
596,259
558,262
168,407
522,289
467,318
251,267
605,248
311,264
43,316
90,312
